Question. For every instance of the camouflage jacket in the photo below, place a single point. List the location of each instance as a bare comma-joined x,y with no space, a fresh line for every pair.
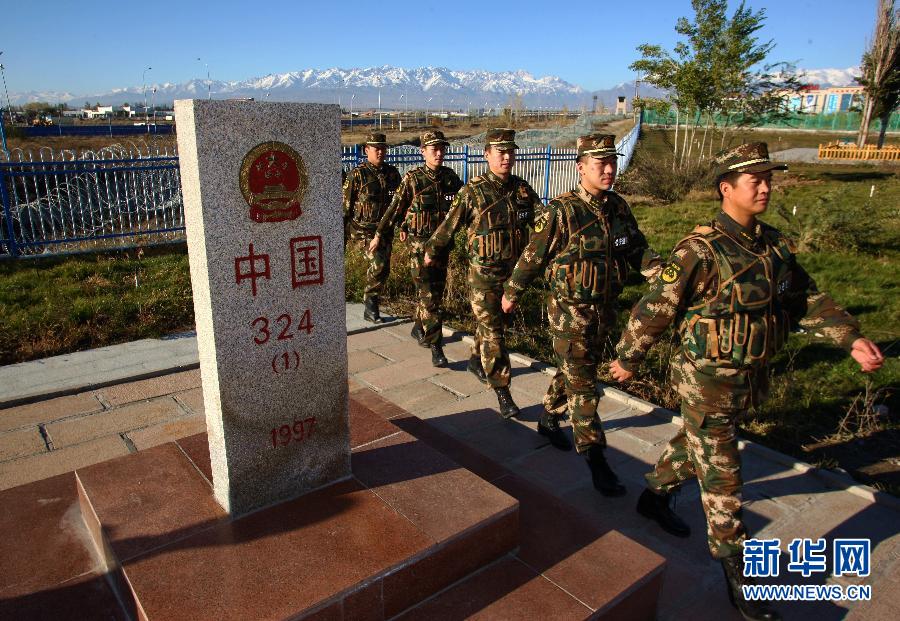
586,245
421,202
496,216
733,293
367,193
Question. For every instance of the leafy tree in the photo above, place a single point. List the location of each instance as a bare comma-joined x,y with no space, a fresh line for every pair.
717,70
36,109
881,71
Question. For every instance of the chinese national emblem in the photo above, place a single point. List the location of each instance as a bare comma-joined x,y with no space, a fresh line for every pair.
273,182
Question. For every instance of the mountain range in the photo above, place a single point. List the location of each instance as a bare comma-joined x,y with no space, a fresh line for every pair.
435,88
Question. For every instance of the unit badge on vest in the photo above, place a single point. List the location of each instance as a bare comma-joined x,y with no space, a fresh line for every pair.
670,272
273,181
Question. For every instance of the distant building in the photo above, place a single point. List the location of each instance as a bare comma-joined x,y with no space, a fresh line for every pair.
812,99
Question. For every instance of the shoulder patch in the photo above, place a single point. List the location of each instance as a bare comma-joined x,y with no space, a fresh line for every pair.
541,220
670,272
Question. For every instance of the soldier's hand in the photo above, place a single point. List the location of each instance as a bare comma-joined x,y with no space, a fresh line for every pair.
428,260
506,305
373,245
867,354
403,236
618,373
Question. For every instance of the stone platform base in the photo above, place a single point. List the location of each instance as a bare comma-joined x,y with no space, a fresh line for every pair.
411,534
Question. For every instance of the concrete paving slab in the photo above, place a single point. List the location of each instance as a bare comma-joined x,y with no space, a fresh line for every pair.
49,410
399,373
462,383
463,416
134,416
363,360
458,351
369,339
403,350
167,432
37,467
356,323
506,441
131,392
419,396
20,443
191,400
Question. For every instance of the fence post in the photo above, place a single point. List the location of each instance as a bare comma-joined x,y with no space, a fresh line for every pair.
465,178
547,176
7,215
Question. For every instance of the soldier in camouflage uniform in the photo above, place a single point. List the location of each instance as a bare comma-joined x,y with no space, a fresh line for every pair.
734,289
419,206
496,210
368,191
585,241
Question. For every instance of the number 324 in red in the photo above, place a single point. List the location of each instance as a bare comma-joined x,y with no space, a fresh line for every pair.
283,325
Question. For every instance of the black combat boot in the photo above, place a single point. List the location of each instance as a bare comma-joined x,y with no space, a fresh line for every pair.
371,313
417,333
549,426
508,408
656,507
476,369
438,359
605,480
750,609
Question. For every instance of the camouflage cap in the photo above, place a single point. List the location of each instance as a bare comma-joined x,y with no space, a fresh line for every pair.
433,137
752,157
597,145
376,139
501,138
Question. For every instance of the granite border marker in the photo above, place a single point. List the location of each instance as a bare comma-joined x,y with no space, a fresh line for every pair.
262,196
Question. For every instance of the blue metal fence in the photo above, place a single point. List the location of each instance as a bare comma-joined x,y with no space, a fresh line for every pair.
57,203
97,130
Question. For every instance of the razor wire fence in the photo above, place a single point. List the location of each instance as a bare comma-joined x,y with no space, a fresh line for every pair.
60,202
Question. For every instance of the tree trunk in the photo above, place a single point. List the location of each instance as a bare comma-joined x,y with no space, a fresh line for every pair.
705,131
885,119
863,134
675,152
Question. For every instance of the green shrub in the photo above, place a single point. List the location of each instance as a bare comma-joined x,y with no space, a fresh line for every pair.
655,176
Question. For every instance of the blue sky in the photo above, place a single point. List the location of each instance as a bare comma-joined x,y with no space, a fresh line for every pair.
88,48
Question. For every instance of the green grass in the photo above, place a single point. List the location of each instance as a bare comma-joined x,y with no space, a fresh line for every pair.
56,306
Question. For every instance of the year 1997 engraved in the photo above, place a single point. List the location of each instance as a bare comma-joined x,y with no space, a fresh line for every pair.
299,431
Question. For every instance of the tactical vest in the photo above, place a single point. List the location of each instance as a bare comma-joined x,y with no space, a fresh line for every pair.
430,203
591,268
373,198
498,232
745,324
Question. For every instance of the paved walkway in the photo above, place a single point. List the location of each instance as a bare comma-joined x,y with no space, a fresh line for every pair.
104,412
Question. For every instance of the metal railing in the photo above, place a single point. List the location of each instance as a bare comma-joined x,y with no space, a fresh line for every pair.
58,202
116,197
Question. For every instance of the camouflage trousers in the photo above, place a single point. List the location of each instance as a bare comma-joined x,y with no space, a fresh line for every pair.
490,340
379,262
430,283
578,332
706,448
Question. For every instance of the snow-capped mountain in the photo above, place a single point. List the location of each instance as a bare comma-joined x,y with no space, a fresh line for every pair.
435,88
830,77
431,87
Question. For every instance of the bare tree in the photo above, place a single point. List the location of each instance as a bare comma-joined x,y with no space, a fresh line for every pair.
881,71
